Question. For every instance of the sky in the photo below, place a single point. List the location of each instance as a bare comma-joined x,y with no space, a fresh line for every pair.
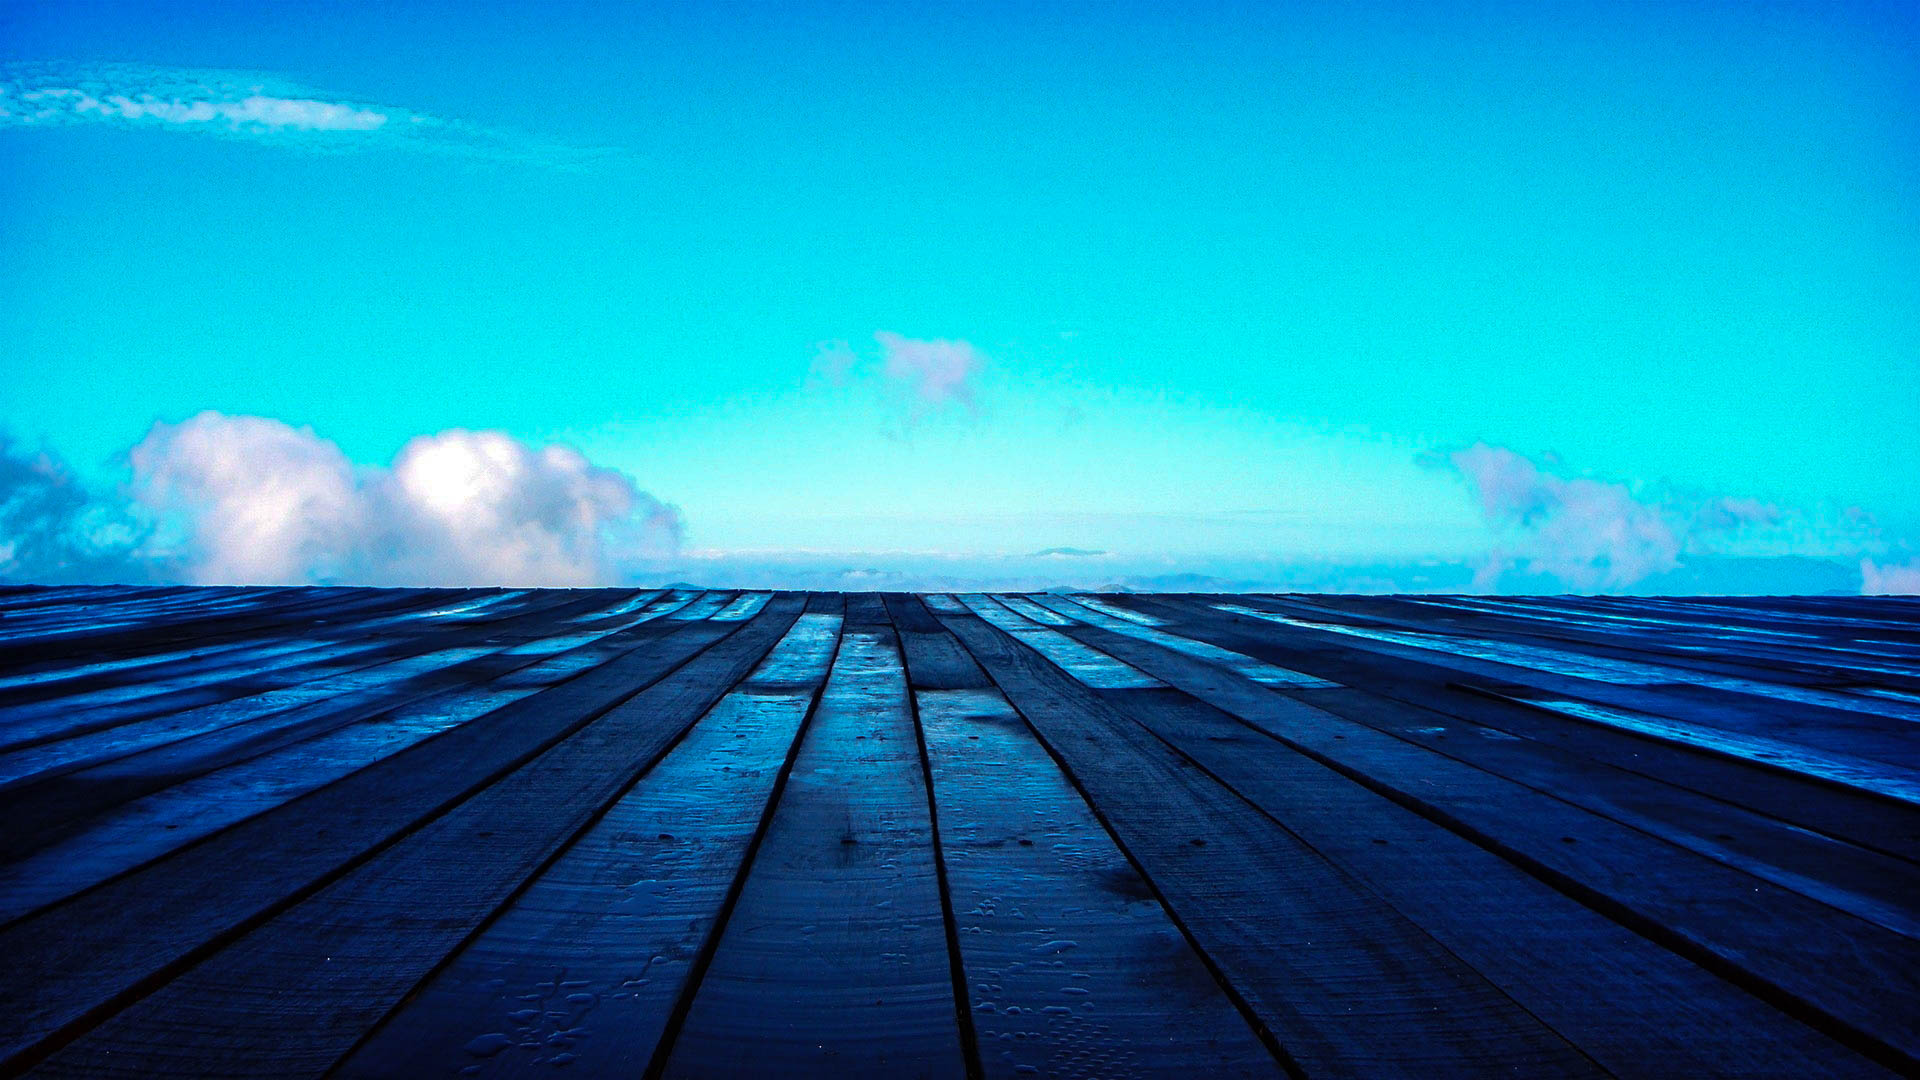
1376,297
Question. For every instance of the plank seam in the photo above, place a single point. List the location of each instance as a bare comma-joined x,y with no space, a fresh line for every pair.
1861,1041
59,1038
555,856
703,960
963,1011
1266,1036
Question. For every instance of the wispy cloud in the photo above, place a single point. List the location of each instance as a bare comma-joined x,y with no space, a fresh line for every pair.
934,373
247,105
921,376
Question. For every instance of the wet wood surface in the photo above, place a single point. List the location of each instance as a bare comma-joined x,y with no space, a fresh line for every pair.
673,832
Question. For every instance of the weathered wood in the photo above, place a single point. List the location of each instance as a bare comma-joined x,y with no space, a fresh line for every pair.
126,674
293,995
76,962
1342,980
1422,673
585,966
50,737
1442,835
84,774
1073,967
833,961
85,851
935,660
1864,883
1840,973
1637,1008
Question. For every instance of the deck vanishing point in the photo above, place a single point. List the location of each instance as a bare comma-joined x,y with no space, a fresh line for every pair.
410,833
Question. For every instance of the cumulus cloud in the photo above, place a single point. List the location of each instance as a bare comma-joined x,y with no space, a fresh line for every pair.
54,531
923,376
1590,534
1890,579
245,105
253,500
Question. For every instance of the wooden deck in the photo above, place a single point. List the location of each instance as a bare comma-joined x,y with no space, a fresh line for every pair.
409,833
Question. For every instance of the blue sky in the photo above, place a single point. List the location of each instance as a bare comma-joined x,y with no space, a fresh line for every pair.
1234,287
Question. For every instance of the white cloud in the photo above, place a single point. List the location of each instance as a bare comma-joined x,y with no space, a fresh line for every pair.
245,105
253,500
1601,535
1889,579
1587,533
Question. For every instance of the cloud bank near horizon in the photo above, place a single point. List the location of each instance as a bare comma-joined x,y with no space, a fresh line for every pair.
252,500
1596,535
252,106
221,499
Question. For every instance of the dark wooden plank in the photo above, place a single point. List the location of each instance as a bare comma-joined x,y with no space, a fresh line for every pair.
280,608
342,647
134,671
1345,983
867,609
935,660
834,959
1842,974
1865,883
1635,1007
1566,675
585,966
353,688
294,995
1866,727
1845,815
81,852
1073,967
80,960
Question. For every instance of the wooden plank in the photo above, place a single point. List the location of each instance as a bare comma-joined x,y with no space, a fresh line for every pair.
1076,612
82,852
284,607
294,995
1864,883
1839,973
357,687
1636,686
222,681
1865,822
935,660
1855,774
1635,1007
1073,967
1088,666
1758,653
80,960
1345,983
585,966
834,959
133,671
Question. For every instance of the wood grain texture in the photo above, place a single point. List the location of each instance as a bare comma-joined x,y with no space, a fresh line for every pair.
680,832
